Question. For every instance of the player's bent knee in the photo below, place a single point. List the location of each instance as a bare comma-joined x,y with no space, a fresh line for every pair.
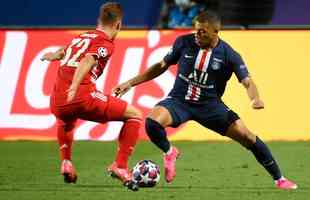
133,112
161,115
137,114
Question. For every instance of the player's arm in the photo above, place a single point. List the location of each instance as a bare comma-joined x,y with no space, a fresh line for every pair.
151,73
241,71
85,65
252,92
51,56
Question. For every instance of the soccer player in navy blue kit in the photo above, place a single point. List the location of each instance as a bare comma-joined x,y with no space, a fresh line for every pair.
205,64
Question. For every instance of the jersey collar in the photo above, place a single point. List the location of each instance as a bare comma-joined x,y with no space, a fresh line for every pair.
103,33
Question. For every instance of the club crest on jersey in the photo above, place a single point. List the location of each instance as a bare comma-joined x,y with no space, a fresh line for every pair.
103,52
242,66
216,65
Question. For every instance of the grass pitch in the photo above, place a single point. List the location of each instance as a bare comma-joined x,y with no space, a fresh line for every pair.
206,170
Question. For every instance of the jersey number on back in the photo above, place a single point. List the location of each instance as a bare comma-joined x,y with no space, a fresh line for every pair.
70,60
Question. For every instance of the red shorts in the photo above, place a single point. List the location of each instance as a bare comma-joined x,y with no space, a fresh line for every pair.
96,107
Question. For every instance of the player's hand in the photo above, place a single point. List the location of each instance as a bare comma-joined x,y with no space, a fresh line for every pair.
47,56
121,89
257,104
71,92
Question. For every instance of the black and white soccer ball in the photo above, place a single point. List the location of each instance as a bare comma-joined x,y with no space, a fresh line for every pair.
146,173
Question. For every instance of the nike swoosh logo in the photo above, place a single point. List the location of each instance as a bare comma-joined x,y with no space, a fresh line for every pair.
188,56
218,60
63,146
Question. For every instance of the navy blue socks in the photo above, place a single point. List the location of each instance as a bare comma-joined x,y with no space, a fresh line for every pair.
157,134
264,157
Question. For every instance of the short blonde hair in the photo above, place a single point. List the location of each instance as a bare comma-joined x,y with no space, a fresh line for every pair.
110,13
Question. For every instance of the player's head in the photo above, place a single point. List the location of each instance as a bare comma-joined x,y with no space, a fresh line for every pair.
207,25
110,17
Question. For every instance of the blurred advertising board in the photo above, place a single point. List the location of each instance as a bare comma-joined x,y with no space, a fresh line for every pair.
278,62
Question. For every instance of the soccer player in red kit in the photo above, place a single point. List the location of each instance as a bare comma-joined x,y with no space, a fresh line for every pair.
75,96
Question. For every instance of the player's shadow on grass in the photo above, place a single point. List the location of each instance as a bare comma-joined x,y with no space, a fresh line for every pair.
63,187
232,188
107,188
90,186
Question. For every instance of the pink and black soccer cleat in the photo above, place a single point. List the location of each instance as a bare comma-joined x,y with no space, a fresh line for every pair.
285,184
68,171
122,174
169,164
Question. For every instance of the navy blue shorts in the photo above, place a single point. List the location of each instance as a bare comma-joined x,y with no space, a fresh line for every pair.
214,114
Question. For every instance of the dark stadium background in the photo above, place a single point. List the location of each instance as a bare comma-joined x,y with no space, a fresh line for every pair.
145,14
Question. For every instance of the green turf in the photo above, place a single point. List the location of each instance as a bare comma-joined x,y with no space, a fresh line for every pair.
206,170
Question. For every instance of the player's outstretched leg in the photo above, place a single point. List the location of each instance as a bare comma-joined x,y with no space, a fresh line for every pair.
238,131
126,143
158,136
264,157
65,140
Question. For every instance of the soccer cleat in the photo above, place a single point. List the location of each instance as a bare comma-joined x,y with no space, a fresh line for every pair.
285,184
68,171
169,163
122,174
132,185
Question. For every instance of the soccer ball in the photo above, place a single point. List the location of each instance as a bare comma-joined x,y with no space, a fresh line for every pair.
146,173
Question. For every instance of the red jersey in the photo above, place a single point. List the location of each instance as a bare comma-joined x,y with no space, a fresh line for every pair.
94,43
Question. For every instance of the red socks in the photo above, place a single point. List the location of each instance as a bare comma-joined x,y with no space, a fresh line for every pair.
65,140
127,140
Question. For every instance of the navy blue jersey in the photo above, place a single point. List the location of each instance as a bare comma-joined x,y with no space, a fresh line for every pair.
203,73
